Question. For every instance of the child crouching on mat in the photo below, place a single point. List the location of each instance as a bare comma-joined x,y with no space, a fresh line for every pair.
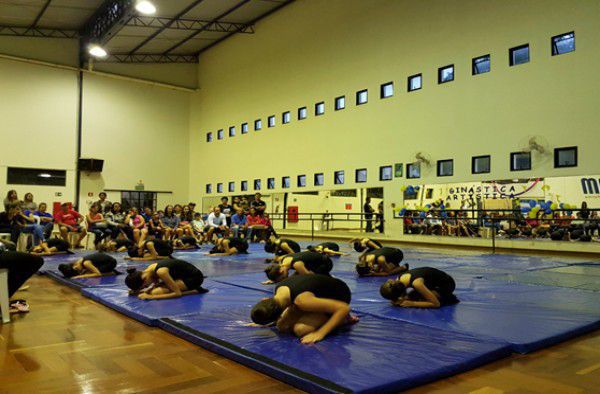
384,261
281,247
165,279
185,242
309,306
118,245
327,248
51,247
303,263
90,266
430,288
150,250
229,246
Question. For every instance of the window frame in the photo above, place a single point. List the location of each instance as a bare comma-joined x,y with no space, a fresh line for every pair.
270,183
358,95
381,171
302,113
316,177
257,184
554,47
286,117
258,124
439,167
301,181
285,182
220,134
337,101
244,128
408,167
244,186
382,90
209,136
512,50
271,121
440,72
475,158
410,78
474,70
320,104
220,187
336,179
566,148
231,131
231,187
356,174
512,161
208,188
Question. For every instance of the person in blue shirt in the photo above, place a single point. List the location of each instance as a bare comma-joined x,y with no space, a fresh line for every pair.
46,219
239,222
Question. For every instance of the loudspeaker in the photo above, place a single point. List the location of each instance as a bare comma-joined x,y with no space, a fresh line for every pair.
91,165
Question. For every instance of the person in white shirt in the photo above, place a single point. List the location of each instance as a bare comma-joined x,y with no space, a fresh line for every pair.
216,224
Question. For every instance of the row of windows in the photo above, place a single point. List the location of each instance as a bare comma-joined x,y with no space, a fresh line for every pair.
519,161
561,44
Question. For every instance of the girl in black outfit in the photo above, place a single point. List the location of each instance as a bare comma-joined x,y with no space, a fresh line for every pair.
150,250
327,248
384,261
185,242
303,263
90,266
118,245
431,288
310,306
229,246
281,247
51,247
166,279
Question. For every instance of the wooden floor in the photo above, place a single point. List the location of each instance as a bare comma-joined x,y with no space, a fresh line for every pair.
69,343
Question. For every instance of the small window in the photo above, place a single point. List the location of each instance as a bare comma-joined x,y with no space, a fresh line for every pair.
285,182
319,108
519,55
301,180
302,113
446,74
219,188
209,137
563,43
565,157
340,103
481,65
257,184
481,164
231,187
415,82
208,188
271,121
220,134
244,186
362,97
338,177
319,179
286,117
520,161
244,128
257,124
387,90
445,167
386,173
413,170
361,175
271,183
232,131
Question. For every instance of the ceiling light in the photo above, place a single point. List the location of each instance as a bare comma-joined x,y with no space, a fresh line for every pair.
145,7
44,175
97,51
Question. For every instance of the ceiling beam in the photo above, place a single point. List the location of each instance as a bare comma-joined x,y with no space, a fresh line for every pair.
40,14
17,31
156,33
252,22
148,58
215,20
189,24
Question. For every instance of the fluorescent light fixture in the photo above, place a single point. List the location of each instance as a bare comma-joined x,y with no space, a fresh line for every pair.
145,7
97,51
44,175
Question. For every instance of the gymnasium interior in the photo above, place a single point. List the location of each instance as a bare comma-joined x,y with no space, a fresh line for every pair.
323,196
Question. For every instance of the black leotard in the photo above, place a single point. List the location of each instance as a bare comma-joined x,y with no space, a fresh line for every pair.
184,271
189,241
240,244
60,244
330,245
370,248
313,261
434,279
292,244
119,243
322,286
104,262
163,248
392,255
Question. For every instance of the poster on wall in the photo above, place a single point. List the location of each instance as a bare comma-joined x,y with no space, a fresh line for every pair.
398,167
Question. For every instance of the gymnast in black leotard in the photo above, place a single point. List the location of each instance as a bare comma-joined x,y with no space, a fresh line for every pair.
185,242
151,250
50,247
281,247
90,266
381,262
165,279
310,306
229,246
118,245
362,245
303,263
328,248
431,288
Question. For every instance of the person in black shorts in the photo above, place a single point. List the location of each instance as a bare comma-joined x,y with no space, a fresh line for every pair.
365,245
303,263
430,288
381,262
328,248
90,266
185,242
165,279
151,250
309,306
281,247
118,245
229,246
51,247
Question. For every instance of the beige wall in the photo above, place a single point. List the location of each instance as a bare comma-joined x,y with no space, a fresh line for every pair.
318,50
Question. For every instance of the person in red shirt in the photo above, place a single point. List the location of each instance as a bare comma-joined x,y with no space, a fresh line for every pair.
69,221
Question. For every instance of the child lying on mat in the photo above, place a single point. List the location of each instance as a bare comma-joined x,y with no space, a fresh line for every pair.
384,261
327,248
302,263
431,288
229,246
150,250
90,266
310,306
166,279
118,245
51,247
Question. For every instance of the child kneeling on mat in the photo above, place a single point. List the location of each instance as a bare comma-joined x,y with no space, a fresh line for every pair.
90,266
166,279
310,306
430,288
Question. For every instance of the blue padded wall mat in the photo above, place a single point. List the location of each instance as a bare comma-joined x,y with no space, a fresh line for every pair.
373,356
